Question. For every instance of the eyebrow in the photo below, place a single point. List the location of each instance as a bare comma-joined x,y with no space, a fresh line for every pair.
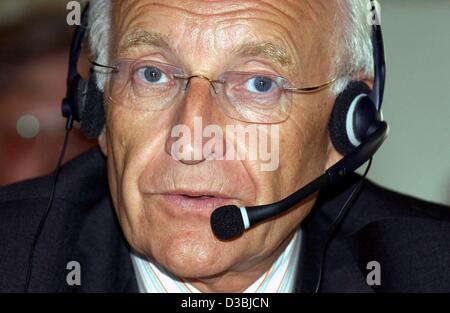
144,38
269,50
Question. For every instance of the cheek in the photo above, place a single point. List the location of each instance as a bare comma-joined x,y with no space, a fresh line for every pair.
307,129
303,146
130,146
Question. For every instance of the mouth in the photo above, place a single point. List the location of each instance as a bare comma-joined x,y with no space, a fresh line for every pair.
198,203
201,197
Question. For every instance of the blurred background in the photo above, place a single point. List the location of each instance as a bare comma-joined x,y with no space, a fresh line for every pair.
34,42
34,46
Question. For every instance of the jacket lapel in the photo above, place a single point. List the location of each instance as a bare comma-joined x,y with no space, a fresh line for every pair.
342,271
103,253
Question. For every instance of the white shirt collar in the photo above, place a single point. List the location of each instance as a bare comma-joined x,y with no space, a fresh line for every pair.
280,278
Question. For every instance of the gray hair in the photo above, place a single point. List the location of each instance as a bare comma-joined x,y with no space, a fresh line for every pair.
354,54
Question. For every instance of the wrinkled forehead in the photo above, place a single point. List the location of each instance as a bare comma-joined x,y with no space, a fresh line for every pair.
285,29
211,8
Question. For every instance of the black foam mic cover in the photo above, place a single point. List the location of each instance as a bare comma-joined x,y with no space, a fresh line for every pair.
226,222
337,125
90,101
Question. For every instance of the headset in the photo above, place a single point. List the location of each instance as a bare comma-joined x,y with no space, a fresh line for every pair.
83,101
356,128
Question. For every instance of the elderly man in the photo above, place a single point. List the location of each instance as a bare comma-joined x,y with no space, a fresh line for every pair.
138,220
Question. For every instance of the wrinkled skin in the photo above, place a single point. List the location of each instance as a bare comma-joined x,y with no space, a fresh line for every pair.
202,36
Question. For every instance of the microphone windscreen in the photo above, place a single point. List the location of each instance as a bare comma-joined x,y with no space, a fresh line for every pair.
227,223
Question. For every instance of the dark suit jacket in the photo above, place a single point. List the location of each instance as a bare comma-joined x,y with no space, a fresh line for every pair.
408,237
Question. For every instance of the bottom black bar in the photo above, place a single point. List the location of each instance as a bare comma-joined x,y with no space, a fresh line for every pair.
225,302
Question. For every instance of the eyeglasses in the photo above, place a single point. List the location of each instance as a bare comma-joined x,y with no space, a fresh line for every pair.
251,97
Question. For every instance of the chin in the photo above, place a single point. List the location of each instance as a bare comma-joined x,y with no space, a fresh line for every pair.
192,254
183,244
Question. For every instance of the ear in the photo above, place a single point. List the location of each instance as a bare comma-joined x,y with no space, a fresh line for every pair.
362,77
102,141
368,82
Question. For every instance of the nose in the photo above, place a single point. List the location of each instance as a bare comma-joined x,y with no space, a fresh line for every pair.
211,82
198,120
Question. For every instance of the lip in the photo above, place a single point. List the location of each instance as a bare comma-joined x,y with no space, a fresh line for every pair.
188,202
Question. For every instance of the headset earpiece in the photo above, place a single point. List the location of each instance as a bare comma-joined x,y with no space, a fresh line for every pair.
352,117
83,102
90,104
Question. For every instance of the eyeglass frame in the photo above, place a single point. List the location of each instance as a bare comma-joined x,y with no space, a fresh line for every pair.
212,82
301,90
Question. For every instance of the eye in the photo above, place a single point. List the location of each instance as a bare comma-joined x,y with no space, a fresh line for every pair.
260,84
152,75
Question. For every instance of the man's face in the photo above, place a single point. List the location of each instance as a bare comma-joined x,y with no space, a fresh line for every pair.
157,197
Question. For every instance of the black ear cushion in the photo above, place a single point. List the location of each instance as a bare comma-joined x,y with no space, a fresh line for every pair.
337,125
92,109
